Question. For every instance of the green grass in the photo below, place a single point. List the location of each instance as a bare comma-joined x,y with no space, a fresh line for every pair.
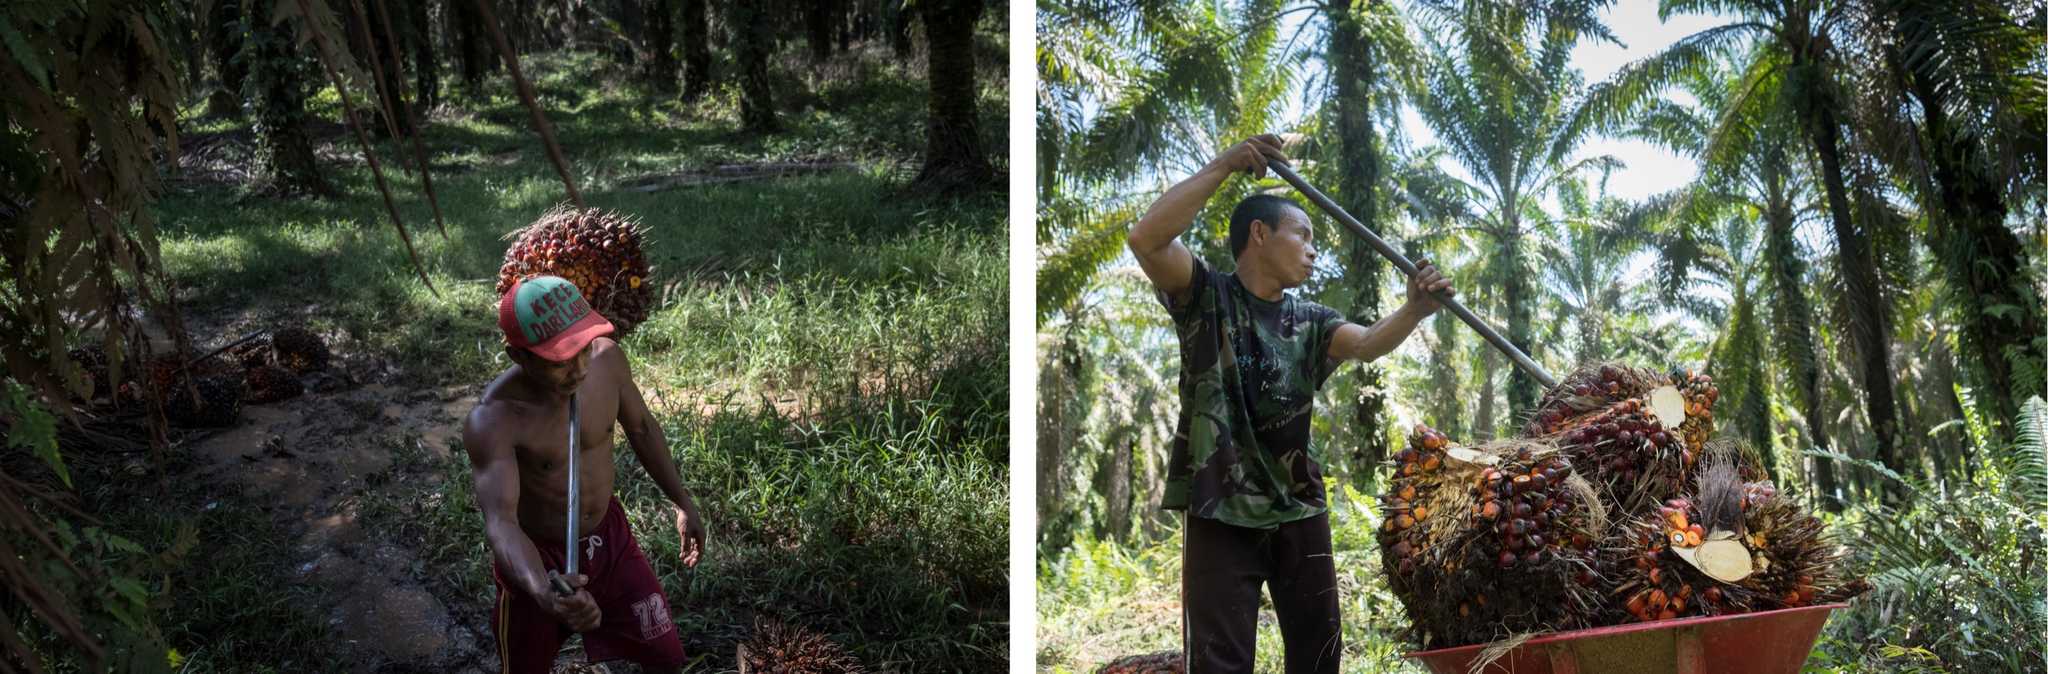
1098,600
830,350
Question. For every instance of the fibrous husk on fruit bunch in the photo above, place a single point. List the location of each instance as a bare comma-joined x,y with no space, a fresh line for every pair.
1640,434
600,251
1504,547
1797,563
1163,662
782,648
298,349
268,384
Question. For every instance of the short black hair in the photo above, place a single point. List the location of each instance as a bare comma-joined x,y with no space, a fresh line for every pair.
1266,208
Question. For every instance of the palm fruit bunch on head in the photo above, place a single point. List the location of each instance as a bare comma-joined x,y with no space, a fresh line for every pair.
600,251
779,648
297,349
1163,662
1640,433
1481,543
269,384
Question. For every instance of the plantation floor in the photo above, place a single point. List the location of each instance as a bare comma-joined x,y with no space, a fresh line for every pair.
827,359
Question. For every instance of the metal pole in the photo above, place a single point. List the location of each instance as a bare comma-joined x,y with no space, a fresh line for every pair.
1400,261
560,582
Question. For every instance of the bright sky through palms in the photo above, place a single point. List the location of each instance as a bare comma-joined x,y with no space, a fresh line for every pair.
1648,169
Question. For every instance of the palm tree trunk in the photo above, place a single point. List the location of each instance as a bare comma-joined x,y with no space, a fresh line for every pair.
426,66
953,156
1794,335
277,77
1984,262
818,24
224,44
1482,423
661,43
1449,407
1869,327
1523,390
1350,57
472,45
757,40
696,49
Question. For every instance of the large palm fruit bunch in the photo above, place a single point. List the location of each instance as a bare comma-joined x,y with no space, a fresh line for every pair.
1481,543
269,384
779,648
218,402
298,349
1791,560
1163,662
1615,506
1639,432
600,251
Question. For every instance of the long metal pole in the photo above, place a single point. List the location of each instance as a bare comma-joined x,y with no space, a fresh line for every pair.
560,580
1400,261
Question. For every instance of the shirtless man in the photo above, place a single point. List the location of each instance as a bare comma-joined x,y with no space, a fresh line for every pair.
517,438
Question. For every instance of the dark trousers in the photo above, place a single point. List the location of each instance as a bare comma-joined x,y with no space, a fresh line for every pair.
1222,567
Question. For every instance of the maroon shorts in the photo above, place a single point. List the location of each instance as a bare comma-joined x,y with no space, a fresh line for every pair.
635,624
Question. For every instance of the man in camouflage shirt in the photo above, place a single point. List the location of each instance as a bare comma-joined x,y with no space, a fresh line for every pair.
1252,357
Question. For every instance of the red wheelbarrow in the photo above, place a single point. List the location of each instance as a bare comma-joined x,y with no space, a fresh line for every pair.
1766,642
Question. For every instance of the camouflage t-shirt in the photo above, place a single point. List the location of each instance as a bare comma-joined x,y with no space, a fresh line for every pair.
1249,373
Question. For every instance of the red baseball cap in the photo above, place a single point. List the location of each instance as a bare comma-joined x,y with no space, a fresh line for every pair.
549,316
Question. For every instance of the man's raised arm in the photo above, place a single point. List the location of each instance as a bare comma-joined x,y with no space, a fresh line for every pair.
1155,240
1353,342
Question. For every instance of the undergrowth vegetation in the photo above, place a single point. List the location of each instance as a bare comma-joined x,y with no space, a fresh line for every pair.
827,357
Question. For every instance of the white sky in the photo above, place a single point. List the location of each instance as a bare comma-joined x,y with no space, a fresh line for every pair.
1647,169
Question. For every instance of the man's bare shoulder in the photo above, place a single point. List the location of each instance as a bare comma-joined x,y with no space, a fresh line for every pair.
483,429
611,357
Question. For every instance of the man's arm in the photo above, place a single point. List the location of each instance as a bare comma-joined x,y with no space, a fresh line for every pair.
1355,342
1155,239
496,473
651,446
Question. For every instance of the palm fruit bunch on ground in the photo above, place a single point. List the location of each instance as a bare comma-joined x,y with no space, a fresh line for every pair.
1163,662
213,397
600,251
779,648
219,401
1613,507
268,384
1503,539
298,349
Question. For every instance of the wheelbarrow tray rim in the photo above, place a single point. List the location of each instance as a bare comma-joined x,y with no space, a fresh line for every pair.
1595,632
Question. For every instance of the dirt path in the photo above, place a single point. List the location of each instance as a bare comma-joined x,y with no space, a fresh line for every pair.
312,463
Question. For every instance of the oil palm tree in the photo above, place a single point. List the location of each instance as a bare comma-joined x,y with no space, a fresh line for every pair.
1496,92
1788,56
